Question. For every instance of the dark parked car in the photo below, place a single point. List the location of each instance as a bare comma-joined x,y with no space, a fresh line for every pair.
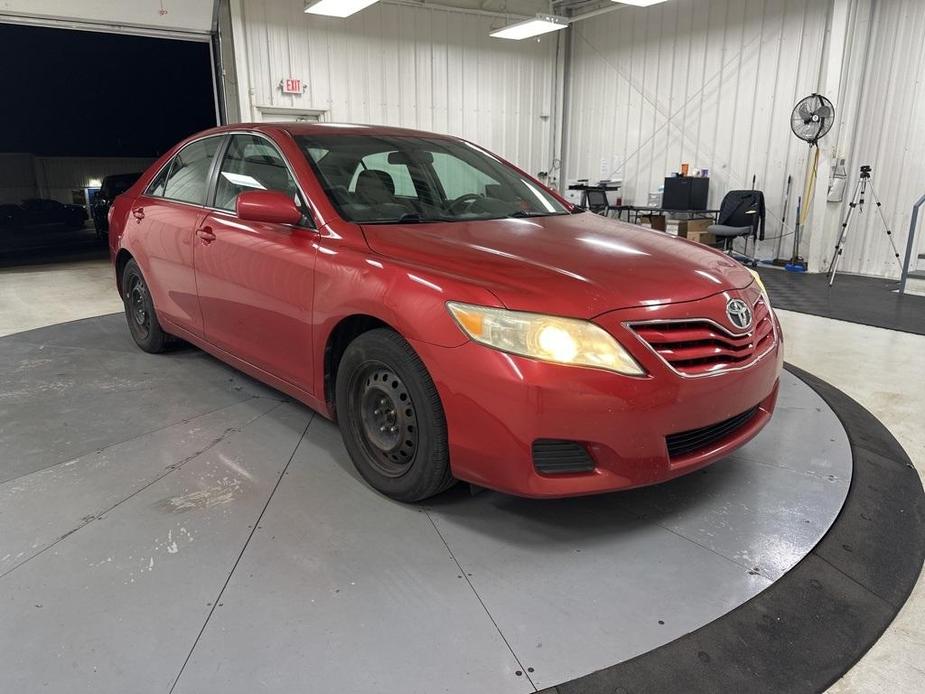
112,186
39,211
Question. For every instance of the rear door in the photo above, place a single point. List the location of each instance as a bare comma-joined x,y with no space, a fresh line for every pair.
256,279
165,219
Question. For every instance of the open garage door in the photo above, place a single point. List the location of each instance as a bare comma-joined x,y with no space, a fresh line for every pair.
105,91
183,19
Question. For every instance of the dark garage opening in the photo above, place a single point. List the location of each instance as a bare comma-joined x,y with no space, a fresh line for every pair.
82,106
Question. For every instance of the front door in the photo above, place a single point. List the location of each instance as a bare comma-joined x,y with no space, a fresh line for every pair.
255,279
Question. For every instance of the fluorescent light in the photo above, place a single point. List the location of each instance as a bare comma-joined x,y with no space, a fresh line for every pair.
639,3
337,8
542,24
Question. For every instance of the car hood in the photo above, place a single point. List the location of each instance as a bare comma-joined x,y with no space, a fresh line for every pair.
577,265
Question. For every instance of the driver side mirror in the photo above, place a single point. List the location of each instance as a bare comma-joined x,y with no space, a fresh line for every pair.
270,206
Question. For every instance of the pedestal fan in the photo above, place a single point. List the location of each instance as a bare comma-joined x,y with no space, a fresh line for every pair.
810,120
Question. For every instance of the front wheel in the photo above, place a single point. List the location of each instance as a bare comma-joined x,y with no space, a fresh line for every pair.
139,311
391,418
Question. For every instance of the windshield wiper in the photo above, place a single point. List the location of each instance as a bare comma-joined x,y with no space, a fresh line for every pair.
522,213
407,218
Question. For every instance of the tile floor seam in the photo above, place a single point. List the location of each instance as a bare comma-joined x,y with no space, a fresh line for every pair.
237,561
170,469
67,322
12,337
478,597
750,570
141,435
822,477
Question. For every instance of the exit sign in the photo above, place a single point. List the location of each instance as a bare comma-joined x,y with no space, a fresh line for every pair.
291,85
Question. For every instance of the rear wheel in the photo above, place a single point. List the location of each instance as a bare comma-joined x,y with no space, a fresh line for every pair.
391,418
139,311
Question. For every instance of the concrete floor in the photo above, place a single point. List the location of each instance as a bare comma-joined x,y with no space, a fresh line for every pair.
833,350
892,389
33,296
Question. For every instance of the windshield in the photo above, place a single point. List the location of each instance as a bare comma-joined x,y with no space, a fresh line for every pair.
390,180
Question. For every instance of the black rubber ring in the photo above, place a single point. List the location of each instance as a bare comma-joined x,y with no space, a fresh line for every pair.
808,628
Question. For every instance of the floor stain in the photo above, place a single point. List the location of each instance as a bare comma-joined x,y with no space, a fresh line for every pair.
222,493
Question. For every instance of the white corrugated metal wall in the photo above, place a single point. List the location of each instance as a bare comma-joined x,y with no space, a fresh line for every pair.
889,135
418,67
707,82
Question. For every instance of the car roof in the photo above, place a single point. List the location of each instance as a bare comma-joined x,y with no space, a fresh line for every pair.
315,128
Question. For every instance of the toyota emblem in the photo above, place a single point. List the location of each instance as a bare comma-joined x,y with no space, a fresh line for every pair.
740,315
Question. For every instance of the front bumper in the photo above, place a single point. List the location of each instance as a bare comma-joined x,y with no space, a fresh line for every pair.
498,404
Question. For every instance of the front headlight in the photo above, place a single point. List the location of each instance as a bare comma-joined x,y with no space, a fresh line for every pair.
548,338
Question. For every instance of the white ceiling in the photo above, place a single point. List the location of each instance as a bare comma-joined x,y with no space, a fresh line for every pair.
185,17
525,7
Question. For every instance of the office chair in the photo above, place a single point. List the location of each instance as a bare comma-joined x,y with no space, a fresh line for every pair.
740,215
596,200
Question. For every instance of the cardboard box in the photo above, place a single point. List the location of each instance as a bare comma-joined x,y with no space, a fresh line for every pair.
704,237
685,227
656,221
696,230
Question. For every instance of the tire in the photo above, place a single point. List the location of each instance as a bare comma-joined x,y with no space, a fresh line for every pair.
139,311
391,418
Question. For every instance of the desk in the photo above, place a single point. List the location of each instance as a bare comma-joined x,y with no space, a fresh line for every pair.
609,187
634,212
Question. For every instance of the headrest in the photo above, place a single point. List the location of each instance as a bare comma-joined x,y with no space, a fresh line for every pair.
375,186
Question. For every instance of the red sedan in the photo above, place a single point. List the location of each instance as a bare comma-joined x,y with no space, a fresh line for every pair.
458,319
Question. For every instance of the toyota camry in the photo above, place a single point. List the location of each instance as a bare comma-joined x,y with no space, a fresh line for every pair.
459,320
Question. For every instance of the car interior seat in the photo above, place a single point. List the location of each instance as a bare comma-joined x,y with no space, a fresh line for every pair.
375,187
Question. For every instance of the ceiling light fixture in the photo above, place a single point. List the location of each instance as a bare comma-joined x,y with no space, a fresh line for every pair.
542,24
337,8
639,3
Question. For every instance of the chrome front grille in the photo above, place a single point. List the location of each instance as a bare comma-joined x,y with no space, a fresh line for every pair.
701,347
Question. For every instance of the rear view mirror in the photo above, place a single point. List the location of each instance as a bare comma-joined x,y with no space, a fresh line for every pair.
270,206
402,158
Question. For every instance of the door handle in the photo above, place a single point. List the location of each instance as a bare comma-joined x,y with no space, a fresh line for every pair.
206,234
138,213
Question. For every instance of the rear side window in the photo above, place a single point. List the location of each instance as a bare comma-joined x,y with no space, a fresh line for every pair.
156,187
186,178
252,163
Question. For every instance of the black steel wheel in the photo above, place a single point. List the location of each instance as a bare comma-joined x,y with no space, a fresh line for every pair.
139,311
387,419
391,418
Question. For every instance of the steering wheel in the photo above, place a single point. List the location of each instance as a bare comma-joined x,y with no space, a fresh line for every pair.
466,199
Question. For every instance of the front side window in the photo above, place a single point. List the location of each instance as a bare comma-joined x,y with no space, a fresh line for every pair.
186,178
252,163
387,180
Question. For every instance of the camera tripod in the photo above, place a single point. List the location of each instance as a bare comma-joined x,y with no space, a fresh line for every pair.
857,202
